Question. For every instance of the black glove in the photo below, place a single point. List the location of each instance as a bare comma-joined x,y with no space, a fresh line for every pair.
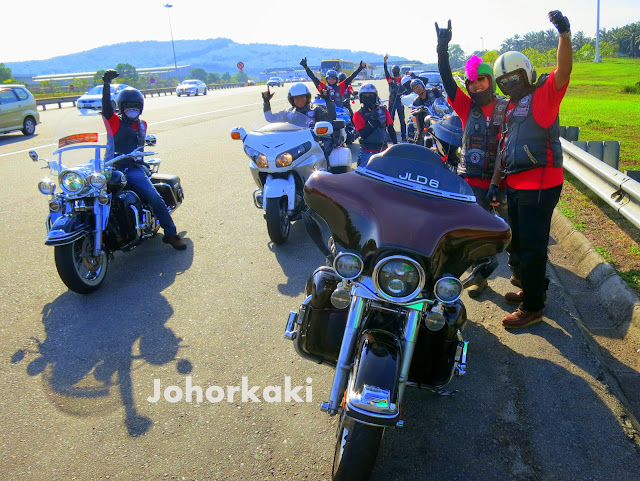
444,37
268,95
494,191
362,64
559,21
109,75
303,62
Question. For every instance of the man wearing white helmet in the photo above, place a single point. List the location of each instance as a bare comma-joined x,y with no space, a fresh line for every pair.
299,97
532,162
372,122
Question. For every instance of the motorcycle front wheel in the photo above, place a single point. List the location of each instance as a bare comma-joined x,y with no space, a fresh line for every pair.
79,269
278,224
356,449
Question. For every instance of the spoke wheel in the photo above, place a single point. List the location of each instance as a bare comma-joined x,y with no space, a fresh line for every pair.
78,268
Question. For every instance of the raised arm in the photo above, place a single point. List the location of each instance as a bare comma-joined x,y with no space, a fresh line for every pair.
386,70
107,108
313,78
444,37
565,53
350,78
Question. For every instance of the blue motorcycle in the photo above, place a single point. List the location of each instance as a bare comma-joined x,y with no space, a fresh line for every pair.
342,114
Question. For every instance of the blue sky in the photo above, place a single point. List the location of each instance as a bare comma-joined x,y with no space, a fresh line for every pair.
44,29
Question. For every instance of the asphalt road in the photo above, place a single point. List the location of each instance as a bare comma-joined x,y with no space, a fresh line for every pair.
534,405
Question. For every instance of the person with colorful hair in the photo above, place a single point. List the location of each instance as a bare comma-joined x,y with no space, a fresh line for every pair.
482,114
532,162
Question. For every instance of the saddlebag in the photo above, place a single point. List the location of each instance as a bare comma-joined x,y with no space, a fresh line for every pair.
169,187
321,326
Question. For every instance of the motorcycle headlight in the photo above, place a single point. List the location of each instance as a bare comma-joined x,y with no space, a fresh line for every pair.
285,158
259,158
98,180
71,182
398,278
448,289
46,186
347,265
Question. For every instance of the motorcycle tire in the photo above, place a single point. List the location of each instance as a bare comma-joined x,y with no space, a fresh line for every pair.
356,450
278,224
80,271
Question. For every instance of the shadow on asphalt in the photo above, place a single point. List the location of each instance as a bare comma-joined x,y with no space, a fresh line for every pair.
93,342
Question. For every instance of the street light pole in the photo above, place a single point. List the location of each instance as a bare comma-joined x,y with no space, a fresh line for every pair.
597,59
175,62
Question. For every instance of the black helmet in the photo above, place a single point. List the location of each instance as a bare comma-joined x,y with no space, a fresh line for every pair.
394,69
415,82
331,73
130,98
342,76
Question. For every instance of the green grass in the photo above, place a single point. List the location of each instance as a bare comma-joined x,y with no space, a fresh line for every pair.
595,101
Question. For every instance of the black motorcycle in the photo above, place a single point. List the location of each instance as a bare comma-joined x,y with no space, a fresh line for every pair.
94,213
387,313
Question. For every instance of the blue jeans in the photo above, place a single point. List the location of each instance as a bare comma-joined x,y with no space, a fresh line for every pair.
138,181
364,156
396,106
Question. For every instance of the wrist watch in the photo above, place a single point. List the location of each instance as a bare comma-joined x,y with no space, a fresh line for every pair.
566,34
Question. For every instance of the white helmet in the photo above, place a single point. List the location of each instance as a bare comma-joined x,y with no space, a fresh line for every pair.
406,80
509,62
296,89
367,89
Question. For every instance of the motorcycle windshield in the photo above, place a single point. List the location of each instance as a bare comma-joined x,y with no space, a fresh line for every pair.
79,139
283,121
405,198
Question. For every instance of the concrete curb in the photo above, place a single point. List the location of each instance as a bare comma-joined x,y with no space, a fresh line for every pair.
614,295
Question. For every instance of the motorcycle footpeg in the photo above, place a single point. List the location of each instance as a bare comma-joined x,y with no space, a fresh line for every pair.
290,331
461,358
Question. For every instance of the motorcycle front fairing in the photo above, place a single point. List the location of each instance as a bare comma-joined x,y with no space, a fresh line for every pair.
283,154
406,198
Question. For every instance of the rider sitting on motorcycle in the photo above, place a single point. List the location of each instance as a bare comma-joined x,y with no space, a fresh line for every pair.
372,122
426,96
128,132
482,114
337,90
396,91
299,97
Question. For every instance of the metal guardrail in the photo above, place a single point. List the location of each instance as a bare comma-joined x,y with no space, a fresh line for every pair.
618,190
43,102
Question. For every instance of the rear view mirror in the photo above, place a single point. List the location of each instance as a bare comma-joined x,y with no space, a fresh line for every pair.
33,155
323,129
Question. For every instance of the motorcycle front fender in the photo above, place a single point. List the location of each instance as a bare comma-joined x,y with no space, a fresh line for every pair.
372,393
67,229
276,187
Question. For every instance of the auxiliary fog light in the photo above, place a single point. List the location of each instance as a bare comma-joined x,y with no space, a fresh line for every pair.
434,319
448,289
46,186
54,206
103,199
341,297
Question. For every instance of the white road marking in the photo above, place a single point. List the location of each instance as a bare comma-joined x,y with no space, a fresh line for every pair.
152,123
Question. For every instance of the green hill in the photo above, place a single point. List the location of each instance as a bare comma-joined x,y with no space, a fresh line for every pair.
214,55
